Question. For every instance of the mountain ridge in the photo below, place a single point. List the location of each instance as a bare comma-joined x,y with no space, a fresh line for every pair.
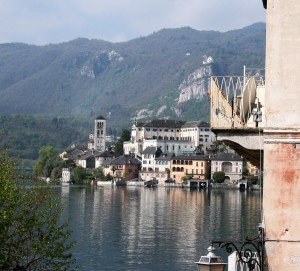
91,77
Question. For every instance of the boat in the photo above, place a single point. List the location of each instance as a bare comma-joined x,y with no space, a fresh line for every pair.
119,181
151,183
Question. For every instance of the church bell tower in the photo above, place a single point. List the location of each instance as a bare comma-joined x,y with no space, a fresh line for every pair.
100,134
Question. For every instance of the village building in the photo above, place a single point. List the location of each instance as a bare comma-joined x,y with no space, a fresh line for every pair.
66,176
196,167
103,157
155,165
125,167
229,163
178,137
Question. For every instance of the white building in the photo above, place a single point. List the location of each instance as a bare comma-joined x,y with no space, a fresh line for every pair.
66,176
174,136
155,165
229,163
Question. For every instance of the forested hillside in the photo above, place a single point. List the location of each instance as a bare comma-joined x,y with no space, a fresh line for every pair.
144,77
25,135
163,75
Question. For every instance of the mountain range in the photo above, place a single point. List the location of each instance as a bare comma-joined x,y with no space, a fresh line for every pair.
163,75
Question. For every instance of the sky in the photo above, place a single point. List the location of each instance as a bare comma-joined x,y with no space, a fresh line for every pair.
42,22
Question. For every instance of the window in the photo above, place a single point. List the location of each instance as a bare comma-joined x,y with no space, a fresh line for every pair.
196,164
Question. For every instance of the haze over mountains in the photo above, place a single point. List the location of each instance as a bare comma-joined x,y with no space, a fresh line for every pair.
163,75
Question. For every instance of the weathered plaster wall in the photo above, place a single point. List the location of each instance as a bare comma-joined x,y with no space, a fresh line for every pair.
283,64
281,203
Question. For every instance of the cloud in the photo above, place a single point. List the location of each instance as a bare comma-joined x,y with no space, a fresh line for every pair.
51,21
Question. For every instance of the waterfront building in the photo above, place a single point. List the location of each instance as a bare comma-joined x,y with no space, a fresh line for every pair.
229,163
66,175
191,166
126,167
155,165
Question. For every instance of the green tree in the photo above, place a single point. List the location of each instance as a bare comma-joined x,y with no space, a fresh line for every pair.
42,166
31,236
49,164
219,176
79,174
186,178
125,136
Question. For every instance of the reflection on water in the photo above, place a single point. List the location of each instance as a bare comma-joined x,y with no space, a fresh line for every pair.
136,228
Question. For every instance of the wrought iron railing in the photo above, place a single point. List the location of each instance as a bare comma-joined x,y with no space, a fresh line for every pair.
249,252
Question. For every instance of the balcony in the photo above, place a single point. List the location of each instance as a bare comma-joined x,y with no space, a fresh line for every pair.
237,114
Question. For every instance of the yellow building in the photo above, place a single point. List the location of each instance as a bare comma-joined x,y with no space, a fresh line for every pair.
192,166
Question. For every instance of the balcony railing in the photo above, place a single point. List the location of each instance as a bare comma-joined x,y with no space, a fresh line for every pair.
233,100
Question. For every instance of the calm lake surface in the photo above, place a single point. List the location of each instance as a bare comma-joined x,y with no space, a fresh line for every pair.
159,229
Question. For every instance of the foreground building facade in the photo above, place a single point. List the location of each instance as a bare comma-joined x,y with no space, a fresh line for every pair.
262,124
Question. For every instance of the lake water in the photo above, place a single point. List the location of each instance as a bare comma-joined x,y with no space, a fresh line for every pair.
161,229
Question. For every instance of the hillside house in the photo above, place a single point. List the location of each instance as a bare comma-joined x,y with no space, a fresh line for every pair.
103,157
179,137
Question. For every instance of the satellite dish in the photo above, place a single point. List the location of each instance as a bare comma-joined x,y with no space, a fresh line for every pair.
248,99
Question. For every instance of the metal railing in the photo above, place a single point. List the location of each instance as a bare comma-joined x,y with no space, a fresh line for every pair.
237,264
233,99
